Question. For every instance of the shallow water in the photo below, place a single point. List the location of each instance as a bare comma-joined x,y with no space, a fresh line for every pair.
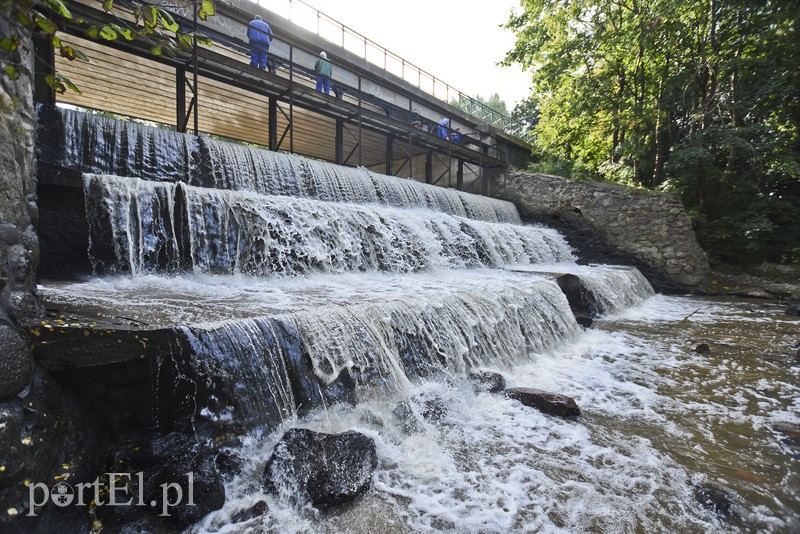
658,417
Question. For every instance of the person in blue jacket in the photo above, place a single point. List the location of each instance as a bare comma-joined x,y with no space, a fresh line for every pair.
444,125
260,36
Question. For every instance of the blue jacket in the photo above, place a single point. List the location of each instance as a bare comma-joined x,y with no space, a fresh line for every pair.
259,32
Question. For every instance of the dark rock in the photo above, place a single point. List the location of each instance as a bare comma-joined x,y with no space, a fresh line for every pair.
229,463
702,348
715,499
581,300
487,381
434,409
584,320
16,363
406,418
324,469
174,463
793,310
549,403
257,510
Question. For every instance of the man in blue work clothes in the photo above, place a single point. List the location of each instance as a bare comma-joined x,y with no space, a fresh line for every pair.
260,35
444,125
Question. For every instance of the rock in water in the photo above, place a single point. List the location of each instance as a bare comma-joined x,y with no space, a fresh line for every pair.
323,469
793,309
715,499
487,381
549,403
703,348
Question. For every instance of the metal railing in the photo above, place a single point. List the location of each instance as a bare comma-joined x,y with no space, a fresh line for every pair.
310,18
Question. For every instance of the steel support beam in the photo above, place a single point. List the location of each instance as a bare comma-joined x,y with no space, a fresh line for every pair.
273,124
180,99
389,154
429,166
339,149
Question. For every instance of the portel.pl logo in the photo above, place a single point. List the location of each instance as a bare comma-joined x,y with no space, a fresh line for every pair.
115,493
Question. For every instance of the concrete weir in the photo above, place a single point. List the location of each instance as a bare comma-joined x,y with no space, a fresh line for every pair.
174,375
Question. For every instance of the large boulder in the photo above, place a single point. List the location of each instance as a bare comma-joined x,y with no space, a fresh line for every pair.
324,469
181,483
549,403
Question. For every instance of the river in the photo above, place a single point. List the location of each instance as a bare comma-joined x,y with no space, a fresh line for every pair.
659,418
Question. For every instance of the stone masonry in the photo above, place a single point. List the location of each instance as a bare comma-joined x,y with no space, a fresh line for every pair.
650,230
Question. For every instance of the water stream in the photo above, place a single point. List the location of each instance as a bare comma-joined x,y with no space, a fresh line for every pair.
658,418
300,285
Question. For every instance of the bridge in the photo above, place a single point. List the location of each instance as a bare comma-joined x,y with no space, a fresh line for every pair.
381,114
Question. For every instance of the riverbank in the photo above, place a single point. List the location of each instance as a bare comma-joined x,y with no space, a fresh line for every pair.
769,281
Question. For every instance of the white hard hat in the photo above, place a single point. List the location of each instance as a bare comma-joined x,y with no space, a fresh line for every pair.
323,55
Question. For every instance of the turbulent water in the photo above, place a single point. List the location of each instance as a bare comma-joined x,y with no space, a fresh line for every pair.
236,232
276,271
657,419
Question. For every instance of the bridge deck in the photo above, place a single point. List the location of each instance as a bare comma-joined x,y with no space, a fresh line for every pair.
367,120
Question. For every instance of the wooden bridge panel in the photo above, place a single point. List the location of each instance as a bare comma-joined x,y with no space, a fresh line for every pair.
119,82
231,112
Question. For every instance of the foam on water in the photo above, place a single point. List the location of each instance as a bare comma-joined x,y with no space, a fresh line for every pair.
490,464
240,232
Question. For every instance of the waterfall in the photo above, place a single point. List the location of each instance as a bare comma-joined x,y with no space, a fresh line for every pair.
294,284
241,232
97,144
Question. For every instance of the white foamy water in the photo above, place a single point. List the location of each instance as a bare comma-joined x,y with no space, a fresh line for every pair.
241,232
96,144
657,418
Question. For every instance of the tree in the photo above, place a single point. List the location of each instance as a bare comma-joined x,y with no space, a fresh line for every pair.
492,109
699,98
151,23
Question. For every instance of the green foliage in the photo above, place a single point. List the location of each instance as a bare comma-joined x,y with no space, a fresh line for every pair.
700,98
492,109
153,25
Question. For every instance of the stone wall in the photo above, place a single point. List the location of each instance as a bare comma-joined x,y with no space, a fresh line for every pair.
609,223
19,249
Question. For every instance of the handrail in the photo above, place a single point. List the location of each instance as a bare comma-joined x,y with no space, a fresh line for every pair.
409,72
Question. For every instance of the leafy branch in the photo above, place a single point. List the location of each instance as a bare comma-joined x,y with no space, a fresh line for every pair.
151,23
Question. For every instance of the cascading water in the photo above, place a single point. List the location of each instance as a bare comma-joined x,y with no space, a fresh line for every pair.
309,294
240,232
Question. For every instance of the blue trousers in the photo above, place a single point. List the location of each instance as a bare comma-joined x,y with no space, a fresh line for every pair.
323,84
258,58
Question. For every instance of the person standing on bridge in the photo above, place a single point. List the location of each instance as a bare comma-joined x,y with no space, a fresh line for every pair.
444,126
324,70
260,36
